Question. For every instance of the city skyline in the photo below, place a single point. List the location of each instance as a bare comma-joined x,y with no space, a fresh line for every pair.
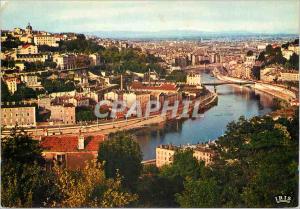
216,16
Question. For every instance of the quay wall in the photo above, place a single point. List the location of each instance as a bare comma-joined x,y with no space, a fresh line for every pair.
273,90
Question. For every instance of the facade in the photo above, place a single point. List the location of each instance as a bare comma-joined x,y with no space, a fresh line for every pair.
27,49
250,61
289,76
142,97
32,57
268,74
30,80
23,116
95,59
12,84
48,40
44,102
204,154
63,113
64,61
20,66
287,53
294,48
193,79
165,154
162,88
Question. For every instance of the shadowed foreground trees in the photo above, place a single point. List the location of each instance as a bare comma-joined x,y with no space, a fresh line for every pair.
121,154
25,182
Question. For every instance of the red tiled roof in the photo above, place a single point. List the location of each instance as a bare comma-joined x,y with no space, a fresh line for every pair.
69,143
164,87
94,143
26,46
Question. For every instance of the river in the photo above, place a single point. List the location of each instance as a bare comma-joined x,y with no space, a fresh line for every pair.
233,102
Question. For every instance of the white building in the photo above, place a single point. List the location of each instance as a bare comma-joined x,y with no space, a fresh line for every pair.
95,59
48,40
193,79
287,53
165,154
12,84
250,60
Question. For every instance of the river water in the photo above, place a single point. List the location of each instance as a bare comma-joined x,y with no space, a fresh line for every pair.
233,101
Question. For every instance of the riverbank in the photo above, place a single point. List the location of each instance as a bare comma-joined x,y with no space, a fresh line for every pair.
111,126
276,91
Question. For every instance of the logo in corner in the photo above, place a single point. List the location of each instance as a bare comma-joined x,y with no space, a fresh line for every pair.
283,199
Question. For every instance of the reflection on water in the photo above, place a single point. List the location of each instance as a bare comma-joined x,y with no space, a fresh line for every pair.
233,102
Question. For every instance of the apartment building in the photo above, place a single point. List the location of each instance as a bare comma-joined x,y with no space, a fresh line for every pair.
165,153
95,59
21,116
63,113
48,40
64,61
289,76
12,84
193,79
32,57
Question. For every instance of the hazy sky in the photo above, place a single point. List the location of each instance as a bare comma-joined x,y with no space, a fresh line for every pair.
84,16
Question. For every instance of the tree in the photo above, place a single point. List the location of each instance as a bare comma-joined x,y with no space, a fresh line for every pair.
58,85
256,159
25,182
294,61
249,53
121,154
155,190
176,75
199,194
269,49
85,114
261,56
89,188
184,165
5,95
23,92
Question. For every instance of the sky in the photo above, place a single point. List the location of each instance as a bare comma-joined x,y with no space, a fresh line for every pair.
271,16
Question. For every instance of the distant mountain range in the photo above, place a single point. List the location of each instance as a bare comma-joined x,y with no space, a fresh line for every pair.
180,34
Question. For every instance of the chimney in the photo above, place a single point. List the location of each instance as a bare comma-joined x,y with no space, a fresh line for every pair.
121,82
81,142
149,79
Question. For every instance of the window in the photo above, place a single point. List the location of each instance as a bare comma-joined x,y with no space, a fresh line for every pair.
61,158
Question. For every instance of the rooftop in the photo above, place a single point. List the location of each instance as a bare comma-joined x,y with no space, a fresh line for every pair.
70,143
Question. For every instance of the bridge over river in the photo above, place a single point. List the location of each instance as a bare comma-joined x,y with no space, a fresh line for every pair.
215,84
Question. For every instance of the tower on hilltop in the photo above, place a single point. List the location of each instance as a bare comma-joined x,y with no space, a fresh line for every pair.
28,29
